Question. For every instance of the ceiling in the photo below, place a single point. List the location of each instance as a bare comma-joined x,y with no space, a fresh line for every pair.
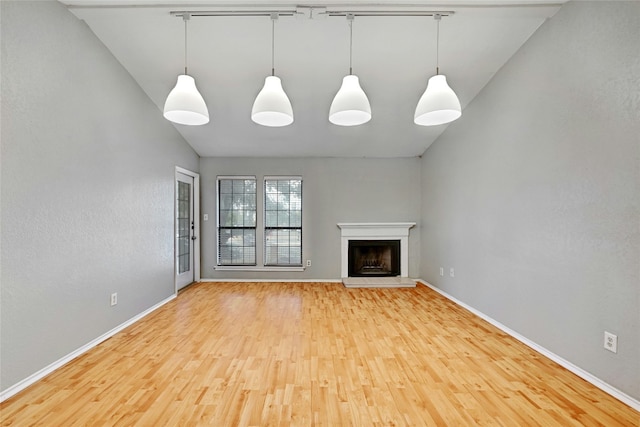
393,56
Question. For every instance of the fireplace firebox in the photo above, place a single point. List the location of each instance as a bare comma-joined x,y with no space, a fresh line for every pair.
374,258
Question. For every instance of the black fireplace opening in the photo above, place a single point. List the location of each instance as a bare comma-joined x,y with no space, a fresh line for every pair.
374,258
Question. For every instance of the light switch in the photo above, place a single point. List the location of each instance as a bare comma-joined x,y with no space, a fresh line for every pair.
206,217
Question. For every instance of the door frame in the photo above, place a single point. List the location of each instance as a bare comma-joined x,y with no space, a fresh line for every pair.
196,225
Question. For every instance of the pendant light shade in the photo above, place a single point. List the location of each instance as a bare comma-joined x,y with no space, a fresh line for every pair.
438,104
350,107
272,106
185,105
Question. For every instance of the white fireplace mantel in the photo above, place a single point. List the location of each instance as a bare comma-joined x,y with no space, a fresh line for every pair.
375,231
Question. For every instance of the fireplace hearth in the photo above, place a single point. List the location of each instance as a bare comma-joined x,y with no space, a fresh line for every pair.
374,258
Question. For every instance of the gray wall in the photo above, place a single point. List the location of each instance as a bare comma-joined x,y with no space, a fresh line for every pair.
334,190
87,190
534,194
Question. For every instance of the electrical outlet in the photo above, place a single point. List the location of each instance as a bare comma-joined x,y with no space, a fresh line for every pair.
441,271
308,263
610,342
114,299
451,272
205,217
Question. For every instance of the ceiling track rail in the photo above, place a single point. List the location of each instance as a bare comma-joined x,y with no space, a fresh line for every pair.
390,13
200,13
310,12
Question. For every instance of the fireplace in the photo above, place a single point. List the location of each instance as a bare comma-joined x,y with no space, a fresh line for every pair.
374,258
376,232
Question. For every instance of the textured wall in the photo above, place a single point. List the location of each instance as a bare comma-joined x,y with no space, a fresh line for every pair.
334,190
87,190
534,194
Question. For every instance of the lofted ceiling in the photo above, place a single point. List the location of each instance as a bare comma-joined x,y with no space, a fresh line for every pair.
230,56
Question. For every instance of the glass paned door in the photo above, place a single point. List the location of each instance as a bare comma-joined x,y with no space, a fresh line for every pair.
185,236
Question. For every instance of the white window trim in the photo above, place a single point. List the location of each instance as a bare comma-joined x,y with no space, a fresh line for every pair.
256,268
263,269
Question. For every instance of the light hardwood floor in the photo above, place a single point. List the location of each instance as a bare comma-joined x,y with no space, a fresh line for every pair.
258,354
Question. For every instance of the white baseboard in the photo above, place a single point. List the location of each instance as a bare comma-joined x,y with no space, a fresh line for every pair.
607,388
271,280
18,387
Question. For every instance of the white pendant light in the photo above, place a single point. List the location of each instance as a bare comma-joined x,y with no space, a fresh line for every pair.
439,103
350,106
272,106
185,105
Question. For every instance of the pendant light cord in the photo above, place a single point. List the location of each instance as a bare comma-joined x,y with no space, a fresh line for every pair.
350,19
437,17
185,18
274,16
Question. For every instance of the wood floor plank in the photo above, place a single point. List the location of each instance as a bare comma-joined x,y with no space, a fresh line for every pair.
312,354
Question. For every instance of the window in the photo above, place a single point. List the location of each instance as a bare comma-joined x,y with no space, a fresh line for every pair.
236,221
283,221
278,241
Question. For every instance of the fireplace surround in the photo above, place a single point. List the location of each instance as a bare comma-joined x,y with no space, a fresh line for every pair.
376,231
